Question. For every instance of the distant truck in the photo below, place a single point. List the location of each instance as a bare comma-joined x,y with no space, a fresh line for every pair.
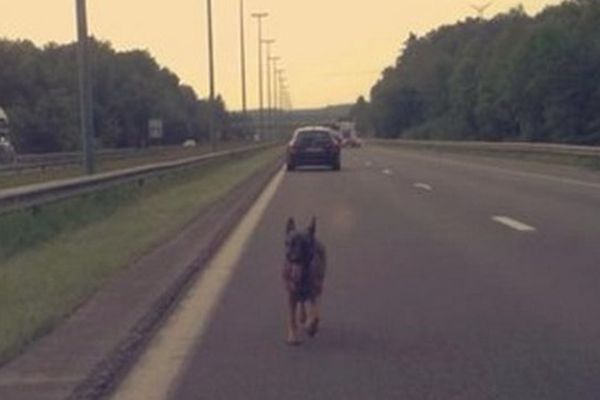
7,151
349,135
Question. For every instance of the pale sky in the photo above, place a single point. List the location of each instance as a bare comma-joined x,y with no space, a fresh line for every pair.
333,50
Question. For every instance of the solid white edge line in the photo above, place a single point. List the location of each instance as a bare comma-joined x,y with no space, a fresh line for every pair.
158,368
513,223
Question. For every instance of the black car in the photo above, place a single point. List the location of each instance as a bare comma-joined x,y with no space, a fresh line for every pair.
314,146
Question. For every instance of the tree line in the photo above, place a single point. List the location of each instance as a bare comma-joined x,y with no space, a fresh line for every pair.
514,78
39,91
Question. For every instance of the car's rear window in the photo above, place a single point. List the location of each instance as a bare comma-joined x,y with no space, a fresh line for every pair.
313,137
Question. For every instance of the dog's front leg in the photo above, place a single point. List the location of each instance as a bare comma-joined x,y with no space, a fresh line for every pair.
292,338
314,318
302,316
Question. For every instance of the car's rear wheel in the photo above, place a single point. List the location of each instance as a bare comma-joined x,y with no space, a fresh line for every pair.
337,165
291,167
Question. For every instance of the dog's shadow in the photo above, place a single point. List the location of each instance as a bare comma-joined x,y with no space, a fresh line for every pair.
346,339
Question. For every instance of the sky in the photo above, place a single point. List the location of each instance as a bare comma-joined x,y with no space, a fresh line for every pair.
332,51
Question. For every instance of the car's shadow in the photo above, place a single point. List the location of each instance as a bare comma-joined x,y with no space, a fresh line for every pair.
312,169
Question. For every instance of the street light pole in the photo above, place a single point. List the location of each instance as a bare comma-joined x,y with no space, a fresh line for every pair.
259,17
286,121
275,60
276,96
277,71
269,87
282,87
275,102
85,88
243,60
268,43
211,72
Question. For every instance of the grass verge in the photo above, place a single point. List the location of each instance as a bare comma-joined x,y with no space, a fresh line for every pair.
54,258
588,162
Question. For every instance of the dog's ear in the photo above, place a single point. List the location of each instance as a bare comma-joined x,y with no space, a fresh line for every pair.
312,228
291,225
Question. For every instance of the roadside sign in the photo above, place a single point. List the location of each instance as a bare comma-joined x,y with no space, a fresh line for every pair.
155,129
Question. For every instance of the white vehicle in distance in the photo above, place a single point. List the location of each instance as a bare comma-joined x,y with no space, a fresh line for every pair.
189,143
7,151
349,135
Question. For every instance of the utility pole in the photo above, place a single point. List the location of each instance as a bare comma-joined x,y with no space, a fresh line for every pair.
243,60
259,17
85,88
211,78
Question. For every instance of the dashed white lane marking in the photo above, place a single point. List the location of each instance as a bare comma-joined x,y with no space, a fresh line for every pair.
166,356
514,224
368,164
423,186
387,172
522,174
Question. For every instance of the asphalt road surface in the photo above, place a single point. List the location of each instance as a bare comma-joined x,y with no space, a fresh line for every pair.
448,279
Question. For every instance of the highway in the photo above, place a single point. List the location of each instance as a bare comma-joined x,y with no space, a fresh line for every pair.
449,278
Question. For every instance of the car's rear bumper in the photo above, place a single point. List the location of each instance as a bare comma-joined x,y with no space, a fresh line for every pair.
313,159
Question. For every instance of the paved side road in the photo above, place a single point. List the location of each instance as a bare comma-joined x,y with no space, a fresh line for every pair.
448,279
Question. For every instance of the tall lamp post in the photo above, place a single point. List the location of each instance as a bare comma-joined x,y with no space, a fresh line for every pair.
259,17
277,95
272,67
268,43
85,88
276,80
211,79
243,61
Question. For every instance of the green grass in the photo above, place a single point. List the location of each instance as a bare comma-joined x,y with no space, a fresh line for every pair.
54,258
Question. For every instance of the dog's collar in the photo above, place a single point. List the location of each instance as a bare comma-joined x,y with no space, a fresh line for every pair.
306,262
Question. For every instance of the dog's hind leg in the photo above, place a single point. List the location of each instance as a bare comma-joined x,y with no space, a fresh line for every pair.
292,338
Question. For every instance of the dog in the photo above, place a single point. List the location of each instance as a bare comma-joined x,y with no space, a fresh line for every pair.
303,276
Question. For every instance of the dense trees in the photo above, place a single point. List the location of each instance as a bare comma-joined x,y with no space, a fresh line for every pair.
514,77
38,89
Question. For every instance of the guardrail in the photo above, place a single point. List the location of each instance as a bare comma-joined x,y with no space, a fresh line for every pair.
44,193
514,147
26,162
40,161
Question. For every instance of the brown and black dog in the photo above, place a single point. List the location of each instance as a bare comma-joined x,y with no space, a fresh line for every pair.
303,275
